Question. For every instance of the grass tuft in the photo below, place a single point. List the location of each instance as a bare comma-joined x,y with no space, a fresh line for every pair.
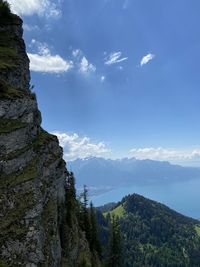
117,212
197,229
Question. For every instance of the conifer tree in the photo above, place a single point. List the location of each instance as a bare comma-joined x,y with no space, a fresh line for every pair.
94,243
115,247
84,214
68,219
70,198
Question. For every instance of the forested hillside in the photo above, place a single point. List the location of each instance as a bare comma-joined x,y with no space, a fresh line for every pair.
152,234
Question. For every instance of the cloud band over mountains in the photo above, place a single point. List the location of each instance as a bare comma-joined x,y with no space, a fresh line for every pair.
80,147
165,154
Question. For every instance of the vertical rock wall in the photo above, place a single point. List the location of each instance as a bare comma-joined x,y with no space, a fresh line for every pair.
14,62
32,171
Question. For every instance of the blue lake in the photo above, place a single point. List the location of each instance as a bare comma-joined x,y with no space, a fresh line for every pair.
183,197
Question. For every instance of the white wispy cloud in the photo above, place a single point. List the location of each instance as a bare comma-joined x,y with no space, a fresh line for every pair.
114,58
165,154
45,8
86,67
146,59
76,53
103,78
30,28
82,63
80,147
44,61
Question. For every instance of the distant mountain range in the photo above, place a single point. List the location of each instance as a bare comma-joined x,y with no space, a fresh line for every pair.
152,234
104,174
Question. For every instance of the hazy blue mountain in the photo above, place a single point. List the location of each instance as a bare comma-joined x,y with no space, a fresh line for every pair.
106,173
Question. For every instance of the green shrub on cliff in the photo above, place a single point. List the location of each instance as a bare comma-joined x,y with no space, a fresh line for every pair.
4,9
5,13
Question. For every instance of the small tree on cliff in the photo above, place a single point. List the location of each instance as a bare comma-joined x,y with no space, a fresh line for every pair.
70,198
4,8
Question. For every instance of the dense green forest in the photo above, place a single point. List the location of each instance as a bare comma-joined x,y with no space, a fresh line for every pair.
151,234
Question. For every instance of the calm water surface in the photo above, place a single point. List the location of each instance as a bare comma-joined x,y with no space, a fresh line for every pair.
183,197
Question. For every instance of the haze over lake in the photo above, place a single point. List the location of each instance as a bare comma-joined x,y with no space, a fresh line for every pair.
183,197
110,180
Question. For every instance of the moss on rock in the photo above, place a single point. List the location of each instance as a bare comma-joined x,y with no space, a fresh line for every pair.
8,53
8,91
44,138
24,175
11,226
49,223
4,263
10,125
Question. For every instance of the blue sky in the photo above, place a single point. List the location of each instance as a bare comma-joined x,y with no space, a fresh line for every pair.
117,78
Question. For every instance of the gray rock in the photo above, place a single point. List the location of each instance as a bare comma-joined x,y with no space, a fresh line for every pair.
31,177
18,76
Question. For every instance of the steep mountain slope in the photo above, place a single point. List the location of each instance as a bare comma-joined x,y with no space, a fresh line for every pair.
32,171
101,173
154,235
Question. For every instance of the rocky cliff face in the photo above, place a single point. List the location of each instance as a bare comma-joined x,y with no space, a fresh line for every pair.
14,62
32,171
